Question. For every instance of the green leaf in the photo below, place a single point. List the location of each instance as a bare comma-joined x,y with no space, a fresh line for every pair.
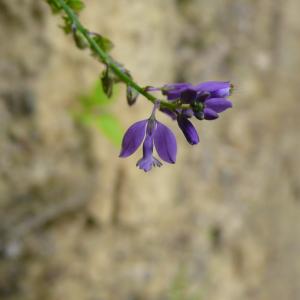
84,118
103,42
55,6
76,5
110,126
96,102
67,26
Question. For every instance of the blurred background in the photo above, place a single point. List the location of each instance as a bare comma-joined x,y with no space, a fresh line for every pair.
77,222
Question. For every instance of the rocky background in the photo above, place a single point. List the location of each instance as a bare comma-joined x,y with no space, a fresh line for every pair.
223,223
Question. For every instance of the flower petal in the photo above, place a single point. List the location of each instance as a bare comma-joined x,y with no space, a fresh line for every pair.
211,86
188,130
216,88
173,90
210,114
218,104
165,143
188,95
146,164
148,161
172,95
133,138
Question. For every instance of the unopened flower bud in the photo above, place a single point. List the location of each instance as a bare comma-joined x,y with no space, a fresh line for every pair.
132,95
107,82
78,37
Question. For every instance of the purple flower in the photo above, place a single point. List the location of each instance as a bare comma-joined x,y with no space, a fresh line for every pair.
188,93
207,99
203,101
152,133
188,129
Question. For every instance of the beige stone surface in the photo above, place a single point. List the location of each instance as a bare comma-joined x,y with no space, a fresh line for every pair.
222,223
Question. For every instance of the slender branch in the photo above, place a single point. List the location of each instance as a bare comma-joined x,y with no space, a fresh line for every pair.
109,61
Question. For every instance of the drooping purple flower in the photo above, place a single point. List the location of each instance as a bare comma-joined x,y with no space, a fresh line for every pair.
188,130
153,133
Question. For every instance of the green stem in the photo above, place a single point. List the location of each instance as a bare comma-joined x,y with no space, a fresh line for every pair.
110,63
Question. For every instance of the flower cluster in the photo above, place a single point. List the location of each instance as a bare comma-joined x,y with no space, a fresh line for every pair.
203,101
